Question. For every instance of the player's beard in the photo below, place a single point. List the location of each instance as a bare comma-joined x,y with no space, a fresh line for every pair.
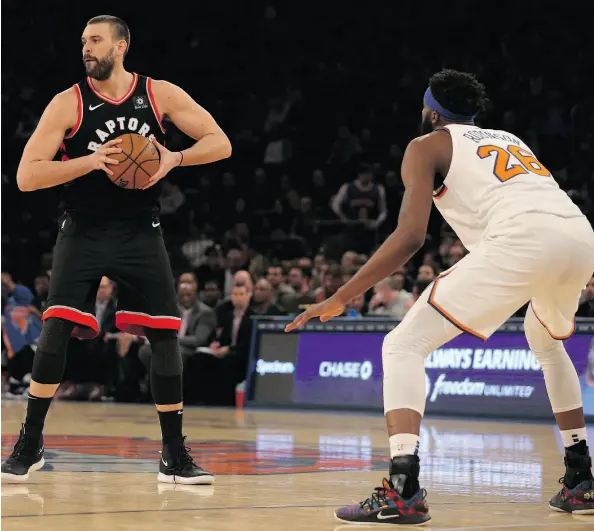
426,125
102,68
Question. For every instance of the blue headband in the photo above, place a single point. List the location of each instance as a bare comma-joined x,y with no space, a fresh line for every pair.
434,105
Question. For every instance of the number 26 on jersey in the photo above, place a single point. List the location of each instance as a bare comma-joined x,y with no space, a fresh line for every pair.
504,170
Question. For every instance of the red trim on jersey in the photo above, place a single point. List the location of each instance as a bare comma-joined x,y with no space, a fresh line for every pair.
135,322
112,101
88,328
79,113
149,91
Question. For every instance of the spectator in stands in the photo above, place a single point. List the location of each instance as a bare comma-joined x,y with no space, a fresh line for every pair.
198,321
455,253
279,149
235,261
300,279
195,248
332,281
586,308
188,278
212,268
221,371
419,287
212,295
305,224
198,329
284,295
20,330
361,204
89,362
305,261
244,277
38,304
357,307
390,299
349,260
319,269
444,249
171,213
261,303
426,273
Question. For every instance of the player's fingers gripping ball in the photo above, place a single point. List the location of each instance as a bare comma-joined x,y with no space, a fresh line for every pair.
138,162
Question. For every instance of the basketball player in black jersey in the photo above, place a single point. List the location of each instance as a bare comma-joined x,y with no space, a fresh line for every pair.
107,230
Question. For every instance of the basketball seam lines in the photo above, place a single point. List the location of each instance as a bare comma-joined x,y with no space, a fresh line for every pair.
138,165
133,160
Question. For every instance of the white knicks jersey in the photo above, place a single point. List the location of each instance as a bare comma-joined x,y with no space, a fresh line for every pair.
493,177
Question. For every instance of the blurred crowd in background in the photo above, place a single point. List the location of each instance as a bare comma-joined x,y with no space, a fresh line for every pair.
319,108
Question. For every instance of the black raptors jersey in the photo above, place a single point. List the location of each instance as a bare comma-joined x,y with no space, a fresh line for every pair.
101,119
362,203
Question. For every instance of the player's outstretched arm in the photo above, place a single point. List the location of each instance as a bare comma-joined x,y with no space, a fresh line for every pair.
37,169
418,169
423,157
212,143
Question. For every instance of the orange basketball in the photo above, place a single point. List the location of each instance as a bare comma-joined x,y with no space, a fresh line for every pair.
139,161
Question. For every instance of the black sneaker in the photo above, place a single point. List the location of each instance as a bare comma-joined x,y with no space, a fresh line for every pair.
177,466
27,457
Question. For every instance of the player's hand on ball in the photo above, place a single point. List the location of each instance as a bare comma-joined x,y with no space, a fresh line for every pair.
169,160
101,158
325,310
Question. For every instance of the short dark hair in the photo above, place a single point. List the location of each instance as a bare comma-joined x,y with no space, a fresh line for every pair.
335,271
276,265
421,285
120,28
365,168
306,272
458,92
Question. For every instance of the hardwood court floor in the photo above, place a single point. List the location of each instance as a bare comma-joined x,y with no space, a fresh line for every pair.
276,471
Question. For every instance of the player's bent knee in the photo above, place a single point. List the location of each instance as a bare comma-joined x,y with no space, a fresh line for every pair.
50,357
55,335
538,337
419,333
166,357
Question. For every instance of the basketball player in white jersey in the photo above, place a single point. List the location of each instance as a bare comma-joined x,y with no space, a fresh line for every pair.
528,242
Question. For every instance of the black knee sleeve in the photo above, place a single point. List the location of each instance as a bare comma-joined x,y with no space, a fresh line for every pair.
50,357
166,367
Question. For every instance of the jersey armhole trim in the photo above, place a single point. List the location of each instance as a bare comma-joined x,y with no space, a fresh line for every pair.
79,113
149,91
440,192
442,189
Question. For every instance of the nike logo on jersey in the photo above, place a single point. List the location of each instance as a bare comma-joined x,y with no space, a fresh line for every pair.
93,107
164,462
380,516
156,225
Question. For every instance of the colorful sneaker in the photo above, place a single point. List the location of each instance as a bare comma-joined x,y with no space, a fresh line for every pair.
386,506
579,500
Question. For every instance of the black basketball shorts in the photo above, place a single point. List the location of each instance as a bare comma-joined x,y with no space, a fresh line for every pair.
131,252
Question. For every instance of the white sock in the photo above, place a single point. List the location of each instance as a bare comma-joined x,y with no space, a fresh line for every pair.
571,437
404,444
